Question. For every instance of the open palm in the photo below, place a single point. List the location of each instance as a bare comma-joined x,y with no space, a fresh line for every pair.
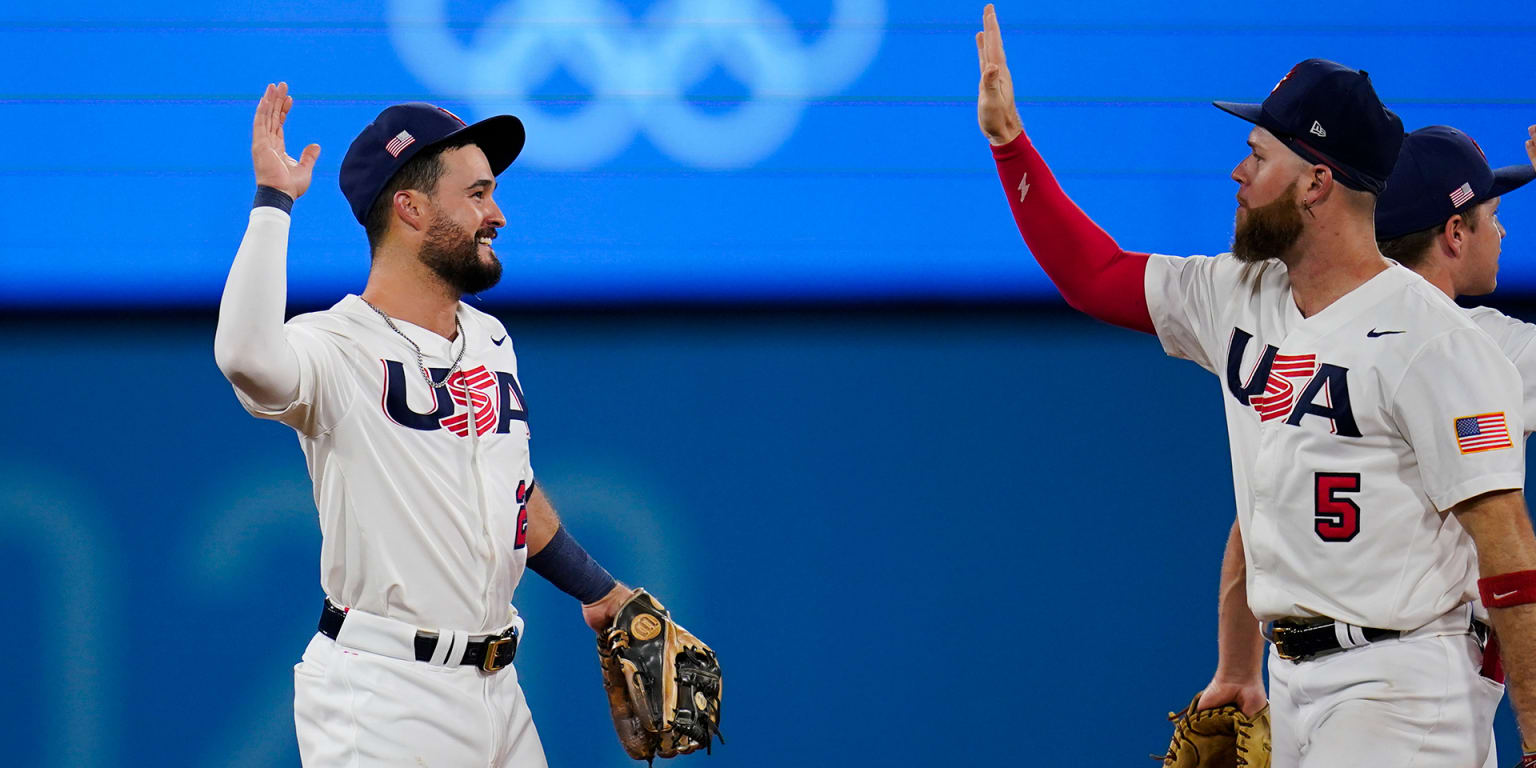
995,109
274,168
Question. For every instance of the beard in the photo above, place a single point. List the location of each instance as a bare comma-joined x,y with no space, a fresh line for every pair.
1269,231
453,254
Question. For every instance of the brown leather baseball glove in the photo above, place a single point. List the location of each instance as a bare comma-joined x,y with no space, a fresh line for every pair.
663,683
1220,737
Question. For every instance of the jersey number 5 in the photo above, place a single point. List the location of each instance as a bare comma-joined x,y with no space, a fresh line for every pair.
1336,519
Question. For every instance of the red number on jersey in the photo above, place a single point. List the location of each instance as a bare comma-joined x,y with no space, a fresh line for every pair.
1336,519
523,494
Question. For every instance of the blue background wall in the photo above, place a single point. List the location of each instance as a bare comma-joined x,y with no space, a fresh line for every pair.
692,149
915,536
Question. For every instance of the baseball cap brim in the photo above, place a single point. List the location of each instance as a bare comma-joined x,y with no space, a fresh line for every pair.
1253,113
1511,178
501,138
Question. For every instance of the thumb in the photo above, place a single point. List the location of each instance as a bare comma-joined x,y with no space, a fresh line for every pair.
989,76
310,155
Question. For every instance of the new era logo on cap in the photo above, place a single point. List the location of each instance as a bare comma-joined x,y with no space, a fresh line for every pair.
398,144
1362,137
1462,194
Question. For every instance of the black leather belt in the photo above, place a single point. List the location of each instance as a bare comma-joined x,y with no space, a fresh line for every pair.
490,654
1306,639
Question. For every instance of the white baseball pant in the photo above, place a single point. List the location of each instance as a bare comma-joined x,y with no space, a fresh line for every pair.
356,708
1417,701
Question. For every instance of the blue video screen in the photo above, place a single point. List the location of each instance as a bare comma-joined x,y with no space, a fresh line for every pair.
691,150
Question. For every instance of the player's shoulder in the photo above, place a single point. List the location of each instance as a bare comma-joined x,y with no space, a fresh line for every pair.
1417,303
346,318
1444,336
1492,320
1513,335
1225,272
478,320
484,319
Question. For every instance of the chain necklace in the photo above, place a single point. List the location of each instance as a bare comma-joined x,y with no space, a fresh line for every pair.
420,362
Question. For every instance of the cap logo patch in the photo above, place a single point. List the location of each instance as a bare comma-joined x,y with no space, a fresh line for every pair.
1479,147
1317,130
1283,79
1462,194
398,144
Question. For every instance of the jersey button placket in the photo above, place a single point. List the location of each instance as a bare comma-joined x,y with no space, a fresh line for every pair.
483,508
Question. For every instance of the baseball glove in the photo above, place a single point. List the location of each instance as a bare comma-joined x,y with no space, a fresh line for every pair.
1220,737
663,683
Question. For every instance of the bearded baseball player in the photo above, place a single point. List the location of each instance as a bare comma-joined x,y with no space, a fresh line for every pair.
411,415
1438,216
1373,428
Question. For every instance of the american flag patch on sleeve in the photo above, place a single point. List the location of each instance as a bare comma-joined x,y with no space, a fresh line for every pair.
1486,432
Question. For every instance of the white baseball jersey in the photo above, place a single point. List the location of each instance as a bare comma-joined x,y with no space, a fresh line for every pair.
1517,339
1352,431
422,492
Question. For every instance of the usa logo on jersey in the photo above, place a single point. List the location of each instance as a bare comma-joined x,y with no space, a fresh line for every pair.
478,399
1290,387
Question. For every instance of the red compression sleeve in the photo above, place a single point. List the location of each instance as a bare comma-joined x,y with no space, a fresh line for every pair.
1092,273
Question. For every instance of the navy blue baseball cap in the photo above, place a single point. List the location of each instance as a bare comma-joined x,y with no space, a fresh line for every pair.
1329,114
402,131
1440,173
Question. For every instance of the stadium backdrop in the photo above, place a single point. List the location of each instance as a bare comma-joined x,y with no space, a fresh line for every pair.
912,535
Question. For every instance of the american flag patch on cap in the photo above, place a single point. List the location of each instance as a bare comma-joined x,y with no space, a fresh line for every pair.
1462,194
398,144
1486,432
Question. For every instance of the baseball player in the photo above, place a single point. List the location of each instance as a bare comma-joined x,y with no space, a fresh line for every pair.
1438,217
1372,425
409,409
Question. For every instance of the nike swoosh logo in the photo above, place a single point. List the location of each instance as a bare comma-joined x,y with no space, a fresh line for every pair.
1502,595
498,342
1373,333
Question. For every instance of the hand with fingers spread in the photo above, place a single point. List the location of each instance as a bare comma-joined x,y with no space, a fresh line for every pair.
274,167
995,110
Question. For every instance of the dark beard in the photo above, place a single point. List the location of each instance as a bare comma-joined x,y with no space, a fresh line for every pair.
453,254
1269,231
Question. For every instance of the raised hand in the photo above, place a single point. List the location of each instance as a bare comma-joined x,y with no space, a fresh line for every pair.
995,110
1530,145
274,168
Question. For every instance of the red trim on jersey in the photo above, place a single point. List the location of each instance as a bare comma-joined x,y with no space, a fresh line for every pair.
1507,590
1094,274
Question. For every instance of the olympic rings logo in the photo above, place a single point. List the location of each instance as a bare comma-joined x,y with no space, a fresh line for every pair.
639,72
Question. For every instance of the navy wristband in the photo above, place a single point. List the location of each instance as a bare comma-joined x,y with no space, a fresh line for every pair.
272,197
567,566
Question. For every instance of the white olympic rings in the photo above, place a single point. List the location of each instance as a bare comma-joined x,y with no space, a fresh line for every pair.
638,72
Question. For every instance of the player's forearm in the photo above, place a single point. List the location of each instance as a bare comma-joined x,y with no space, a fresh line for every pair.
554,554
249,344
1090,270
1239,645
1516,628
1501,529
